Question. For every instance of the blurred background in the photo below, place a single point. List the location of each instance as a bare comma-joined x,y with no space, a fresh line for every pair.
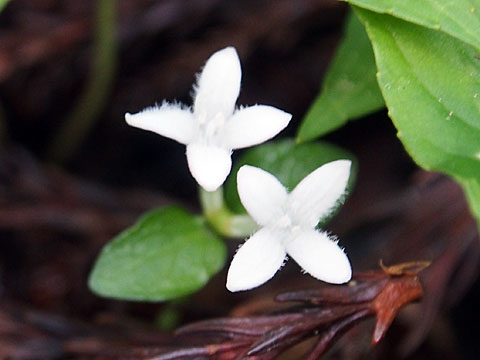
73,174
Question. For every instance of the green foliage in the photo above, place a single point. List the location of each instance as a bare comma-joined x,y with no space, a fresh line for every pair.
3,3
168,253
458,18
427,55
350,89
471,187
431,84
288,161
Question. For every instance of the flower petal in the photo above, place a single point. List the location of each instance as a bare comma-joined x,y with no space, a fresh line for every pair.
262,195
209,165
254,125
168,120
315,196
320,256
256,261
218,85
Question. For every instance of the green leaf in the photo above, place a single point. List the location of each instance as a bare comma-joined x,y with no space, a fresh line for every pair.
168,253
431,85
3,3
350,88
289,162
471,187
458,18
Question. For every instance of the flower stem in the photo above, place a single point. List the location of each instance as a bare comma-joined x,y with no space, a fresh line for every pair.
222,219
91,103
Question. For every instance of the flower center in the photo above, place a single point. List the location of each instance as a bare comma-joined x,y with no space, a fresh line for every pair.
210,128
283,222
287,220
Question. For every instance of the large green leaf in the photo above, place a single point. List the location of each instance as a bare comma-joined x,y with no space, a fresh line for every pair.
168,253
431,85
471,187
289,162
350,89
459,18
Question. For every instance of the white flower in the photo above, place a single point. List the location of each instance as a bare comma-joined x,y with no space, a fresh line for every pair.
288,223
214,128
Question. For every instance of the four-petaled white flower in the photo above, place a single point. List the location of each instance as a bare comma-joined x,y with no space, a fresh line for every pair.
288,223
214,128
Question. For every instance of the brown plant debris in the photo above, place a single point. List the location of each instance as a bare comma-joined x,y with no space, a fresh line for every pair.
325,313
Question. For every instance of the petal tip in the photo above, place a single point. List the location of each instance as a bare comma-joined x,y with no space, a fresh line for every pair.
224,56
129,118
233,286
320,256
133,120
341,274
240,282
207,182
287,117
343,164
256,261
210,187
284,119
253,125
344,277
209,166
227,51
237,281
245,170
218,84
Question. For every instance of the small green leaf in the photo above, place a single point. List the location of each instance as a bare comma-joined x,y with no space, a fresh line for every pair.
458,18
431,85
288,161
168,253
350,89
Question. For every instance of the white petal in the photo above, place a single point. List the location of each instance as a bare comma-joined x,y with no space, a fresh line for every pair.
218,85
254,125
168,120
256,261
262,195
320,256
315,196
209,165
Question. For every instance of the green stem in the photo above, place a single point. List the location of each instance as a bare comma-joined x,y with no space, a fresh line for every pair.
221,219
92,101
